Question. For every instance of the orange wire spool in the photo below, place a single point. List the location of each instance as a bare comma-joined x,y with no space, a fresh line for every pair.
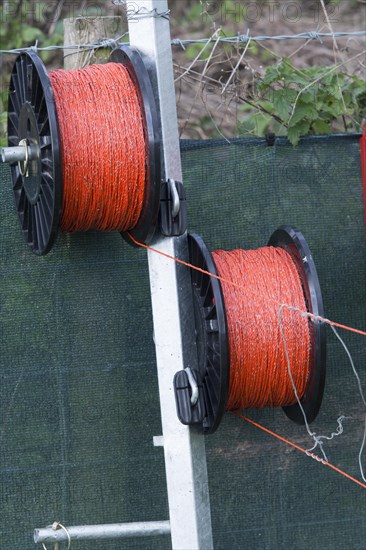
258,358
92,146
102,150
257,347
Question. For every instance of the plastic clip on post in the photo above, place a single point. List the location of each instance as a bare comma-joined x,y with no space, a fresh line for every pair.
270,138
189,397
173,209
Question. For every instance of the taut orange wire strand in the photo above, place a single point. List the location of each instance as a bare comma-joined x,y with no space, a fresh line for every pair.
102,148
239,285
311,455
258,363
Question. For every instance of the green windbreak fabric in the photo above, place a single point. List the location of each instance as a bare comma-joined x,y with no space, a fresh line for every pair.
79,402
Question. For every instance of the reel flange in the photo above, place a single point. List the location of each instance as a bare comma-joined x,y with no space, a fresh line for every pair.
35,166
137,70
293,241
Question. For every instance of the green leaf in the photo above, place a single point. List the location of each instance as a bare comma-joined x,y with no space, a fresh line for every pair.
335,91
280,104
298,79
255,125
303,111
334,109
261,124
328,77
287,68
308,96
295,132
358,91
264,104
290,94
321,127
272,75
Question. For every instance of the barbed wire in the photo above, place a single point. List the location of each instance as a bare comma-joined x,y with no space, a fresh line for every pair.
244,38
238,39
101,43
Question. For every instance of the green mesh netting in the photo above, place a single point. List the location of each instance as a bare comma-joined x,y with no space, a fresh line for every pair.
79,402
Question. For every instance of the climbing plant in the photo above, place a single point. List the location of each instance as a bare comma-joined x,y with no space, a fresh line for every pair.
297,102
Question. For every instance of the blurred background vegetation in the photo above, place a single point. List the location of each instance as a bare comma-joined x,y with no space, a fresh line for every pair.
229,90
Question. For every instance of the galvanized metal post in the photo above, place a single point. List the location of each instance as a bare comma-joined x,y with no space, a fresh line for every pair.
172,301
172,304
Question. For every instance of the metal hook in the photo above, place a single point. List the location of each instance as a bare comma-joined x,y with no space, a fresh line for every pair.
57,525
193,384
175,198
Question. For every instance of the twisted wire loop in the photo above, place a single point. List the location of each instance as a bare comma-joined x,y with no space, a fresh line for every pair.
57,525
103,150
259,374
306,452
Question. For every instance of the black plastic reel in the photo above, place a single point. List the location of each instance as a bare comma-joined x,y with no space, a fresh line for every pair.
212,340
147,223
211,335
32,120
32,117
293,241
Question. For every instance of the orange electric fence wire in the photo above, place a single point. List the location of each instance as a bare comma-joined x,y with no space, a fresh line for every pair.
239,285
102,149
318,459
258,361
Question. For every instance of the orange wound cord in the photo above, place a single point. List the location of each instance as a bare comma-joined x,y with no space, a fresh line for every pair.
311,455
287,306
302,313
102,148
258,360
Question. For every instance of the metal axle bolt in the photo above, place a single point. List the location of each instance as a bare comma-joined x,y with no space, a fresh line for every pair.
12,155
22,154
